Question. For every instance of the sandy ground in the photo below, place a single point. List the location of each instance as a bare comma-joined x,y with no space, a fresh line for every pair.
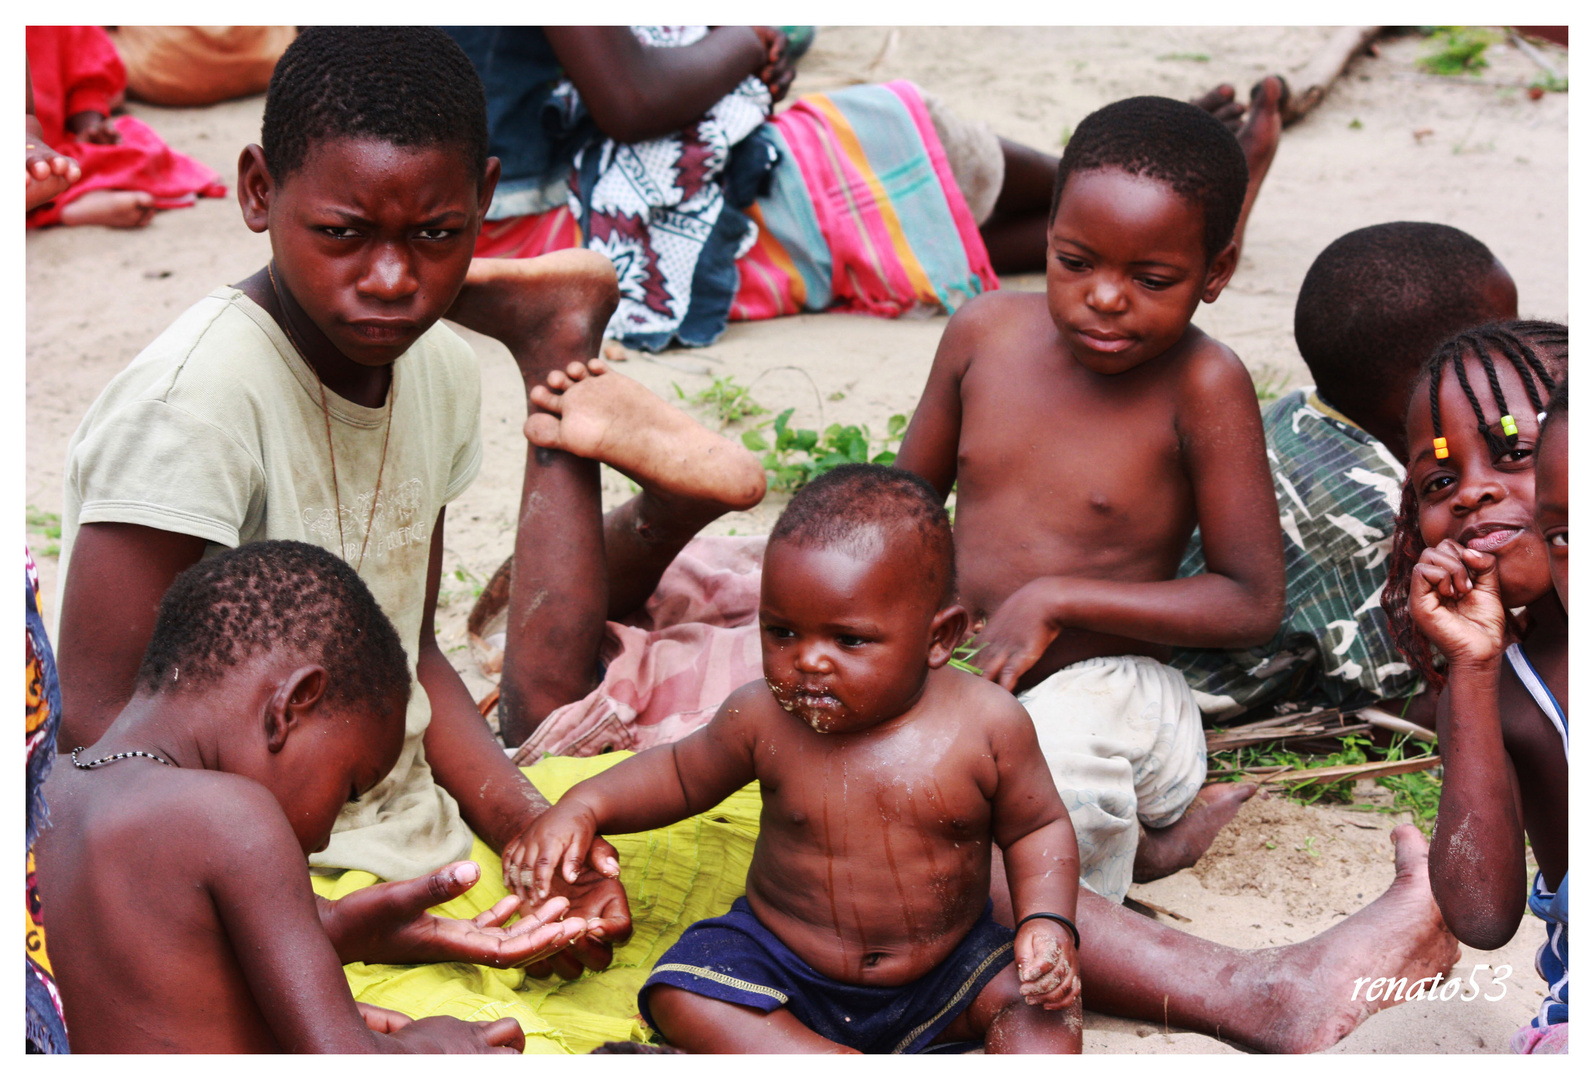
1388,144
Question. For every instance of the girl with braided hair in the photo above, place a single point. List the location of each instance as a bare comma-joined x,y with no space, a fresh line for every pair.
1470,579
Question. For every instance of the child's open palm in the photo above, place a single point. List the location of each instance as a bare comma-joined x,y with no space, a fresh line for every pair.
1455,602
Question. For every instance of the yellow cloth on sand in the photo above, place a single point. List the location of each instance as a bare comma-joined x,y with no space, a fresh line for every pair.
673,877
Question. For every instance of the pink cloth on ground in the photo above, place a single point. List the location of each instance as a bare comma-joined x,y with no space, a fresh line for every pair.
1541,1040
669,668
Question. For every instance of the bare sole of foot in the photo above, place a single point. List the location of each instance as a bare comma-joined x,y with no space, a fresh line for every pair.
117,209
1161,852
1264,120
516,300
1401,935
595,413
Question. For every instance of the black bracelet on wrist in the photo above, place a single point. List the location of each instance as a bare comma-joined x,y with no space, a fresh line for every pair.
1065,920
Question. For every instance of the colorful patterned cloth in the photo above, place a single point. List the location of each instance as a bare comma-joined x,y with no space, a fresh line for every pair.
860,210
1338,490
659,209
46,1027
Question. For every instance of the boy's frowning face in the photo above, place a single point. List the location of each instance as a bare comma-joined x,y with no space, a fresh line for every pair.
1126,267
1470,496
846,635
373,240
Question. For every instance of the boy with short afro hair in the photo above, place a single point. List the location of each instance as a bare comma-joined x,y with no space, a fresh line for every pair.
272,693
887,777
320,400
1371,310
1089,430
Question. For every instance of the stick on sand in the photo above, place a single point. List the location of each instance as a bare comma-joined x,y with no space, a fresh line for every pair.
1308,88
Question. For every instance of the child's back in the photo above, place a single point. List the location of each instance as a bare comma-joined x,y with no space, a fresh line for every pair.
1089,431
182,920
159,864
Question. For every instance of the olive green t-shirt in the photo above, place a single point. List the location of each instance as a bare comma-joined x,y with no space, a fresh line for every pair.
217,430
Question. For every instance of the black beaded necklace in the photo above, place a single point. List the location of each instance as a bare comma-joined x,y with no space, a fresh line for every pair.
108,758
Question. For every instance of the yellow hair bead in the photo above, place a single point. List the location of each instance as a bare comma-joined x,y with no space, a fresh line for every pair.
1441,449
1508,424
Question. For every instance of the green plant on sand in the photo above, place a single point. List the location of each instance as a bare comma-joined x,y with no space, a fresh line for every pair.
1457,50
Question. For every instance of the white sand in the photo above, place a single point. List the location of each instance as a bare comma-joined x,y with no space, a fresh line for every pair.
1492,162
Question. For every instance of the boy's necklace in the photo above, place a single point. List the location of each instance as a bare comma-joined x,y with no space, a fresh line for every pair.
108,758
392,397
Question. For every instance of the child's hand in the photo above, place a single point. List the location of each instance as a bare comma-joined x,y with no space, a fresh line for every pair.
446,1035
1048,968
1455,602
93,127
777,72
49,172
378,1019
564,837
388,923
1017,635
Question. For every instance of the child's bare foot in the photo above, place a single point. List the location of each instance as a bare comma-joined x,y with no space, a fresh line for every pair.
547,310
118,209
1311,993
595,413
1264,119
1165,851
1220,102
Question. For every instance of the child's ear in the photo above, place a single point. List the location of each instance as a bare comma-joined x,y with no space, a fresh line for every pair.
484,197
947,631
255,188
296,696
1219,271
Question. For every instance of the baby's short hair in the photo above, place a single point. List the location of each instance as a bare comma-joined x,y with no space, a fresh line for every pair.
408,85
844,507
1180,144
270,595
1378,301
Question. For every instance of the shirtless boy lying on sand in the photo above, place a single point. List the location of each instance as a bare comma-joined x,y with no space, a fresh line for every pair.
273,692
886,776
1089,429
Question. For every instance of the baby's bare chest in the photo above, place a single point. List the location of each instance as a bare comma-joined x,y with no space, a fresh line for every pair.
924,794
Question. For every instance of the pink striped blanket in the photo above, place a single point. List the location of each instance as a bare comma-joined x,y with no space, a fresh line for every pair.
862,214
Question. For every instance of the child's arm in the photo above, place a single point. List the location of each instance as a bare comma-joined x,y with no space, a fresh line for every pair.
117,576
1476,861
1237,602
1032,828
656,788
495,798
930,445
255,872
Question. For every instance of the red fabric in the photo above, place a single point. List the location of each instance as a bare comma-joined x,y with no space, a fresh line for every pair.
75,69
